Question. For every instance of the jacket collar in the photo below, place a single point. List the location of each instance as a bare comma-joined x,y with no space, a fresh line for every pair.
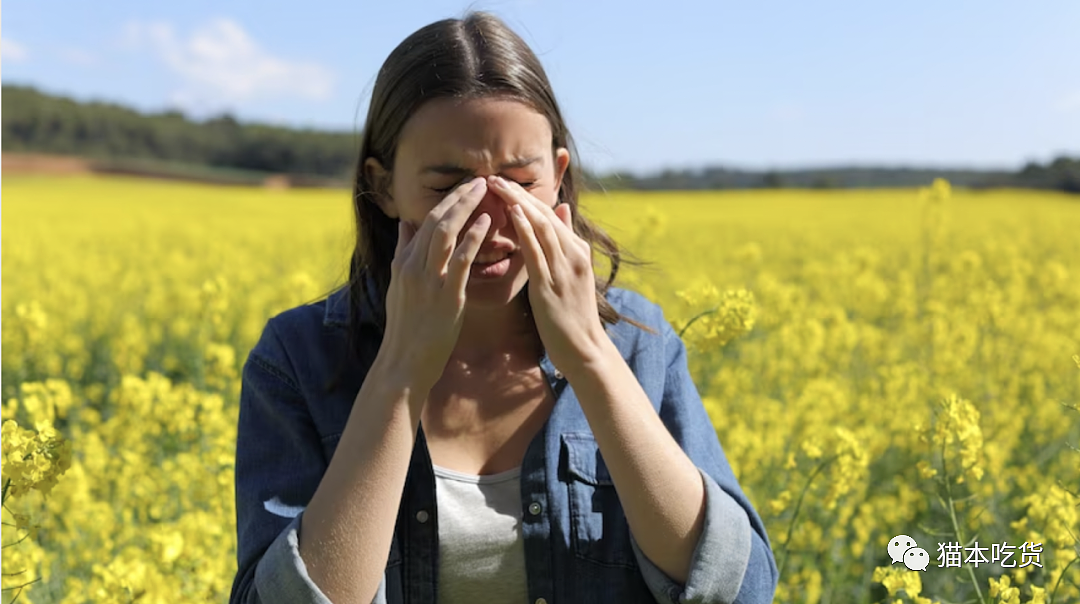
337,306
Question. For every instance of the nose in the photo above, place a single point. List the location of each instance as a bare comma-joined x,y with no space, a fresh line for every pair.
494,206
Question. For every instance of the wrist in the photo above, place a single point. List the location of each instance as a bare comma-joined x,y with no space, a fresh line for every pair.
594,359
401,379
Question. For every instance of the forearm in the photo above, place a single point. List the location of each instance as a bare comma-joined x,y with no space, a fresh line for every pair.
659,487
347,528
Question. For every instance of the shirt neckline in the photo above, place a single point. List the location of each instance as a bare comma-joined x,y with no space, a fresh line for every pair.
477,478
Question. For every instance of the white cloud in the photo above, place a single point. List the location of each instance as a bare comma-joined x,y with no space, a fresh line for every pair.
219,63
10,50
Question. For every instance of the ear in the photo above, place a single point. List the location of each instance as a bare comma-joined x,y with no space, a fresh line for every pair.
562,162
380,179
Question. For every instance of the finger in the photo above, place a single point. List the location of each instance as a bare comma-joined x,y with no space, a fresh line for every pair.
408,232
457,273
403,250
445,231
405,233
544,231
563,212
399,247
535,261
515,193
431,221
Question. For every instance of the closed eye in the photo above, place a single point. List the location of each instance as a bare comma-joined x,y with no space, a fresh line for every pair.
452,187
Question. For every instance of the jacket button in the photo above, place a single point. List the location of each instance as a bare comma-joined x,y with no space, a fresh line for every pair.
535,509
558,374
422,516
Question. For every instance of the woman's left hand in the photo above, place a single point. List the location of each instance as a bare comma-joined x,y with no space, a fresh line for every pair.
562,285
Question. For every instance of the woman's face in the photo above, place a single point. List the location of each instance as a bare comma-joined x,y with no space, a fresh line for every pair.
448,142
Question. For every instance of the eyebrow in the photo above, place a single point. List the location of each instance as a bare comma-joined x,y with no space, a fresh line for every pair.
455,170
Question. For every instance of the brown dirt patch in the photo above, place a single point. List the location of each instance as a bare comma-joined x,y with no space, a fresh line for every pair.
36,163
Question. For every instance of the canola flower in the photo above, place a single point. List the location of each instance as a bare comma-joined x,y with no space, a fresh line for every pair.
726,317
874,362
896,579
33,460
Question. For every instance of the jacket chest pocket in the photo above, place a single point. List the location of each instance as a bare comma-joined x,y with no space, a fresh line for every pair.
600,533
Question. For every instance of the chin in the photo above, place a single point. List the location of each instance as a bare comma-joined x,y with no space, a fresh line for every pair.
495,293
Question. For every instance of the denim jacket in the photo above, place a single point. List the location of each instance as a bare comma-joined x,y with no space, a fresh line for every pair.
578,545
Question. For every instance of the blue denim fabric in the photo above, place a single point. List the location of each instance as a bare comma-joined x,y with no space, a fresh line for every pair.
578,548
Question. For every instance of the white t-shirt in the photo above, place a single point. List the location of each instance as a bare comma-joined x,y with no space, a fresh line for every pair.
481,550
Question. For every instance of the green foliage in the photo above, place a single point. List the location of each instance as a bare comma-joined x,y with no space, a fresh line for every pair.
1063,174
42,123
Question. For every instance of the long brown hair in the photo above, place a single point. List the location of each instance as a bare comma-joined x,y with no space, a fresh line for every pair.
474,57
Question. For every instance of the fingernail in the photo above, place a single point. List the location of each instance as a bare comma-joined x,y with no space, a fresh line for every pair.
477,184
497,181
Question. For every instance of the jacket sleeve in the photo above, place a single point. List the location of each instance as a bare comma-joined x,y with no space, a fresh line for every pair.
732,562
279,464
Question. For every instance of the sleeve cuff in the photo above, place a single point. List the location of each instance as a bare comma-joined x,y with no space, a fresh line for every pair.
282,576
720,558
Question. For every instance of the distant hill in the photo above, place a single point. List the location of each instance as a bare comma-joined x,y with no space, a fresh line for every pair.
1062,174
120,139
35,122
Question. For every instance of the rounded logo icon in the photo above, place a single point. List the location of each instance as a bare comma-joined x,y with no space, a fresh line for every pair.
898,545
916,558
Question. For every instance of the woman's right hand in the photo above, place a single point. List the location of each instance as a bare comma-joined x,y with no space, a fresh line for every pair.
425,303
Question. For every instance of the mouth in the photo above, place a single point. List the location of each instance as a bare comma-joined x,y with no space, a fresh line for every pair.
491,258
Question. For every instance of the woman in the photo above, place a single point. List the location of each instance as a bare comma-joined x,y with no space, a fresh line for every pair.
446,462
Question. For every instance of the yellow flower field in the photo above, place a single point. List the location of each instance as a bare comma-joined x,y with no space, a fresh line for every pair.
876,363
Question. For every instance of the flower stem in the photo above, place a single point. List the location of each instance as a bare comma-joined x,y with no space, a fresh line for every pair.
1060,577
798,505
696,317
955,524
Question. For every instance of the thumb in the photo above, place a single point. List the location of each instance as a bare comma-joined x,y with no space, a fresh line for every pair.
563,212
405,235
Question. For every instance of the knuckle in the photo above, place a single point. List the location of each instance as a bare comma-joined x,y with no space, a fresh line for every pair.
577,263
432,271
444,229
457,299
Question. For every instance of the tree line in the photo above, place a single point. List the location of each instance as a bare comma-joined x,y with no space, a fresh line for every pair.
37,122
1061,174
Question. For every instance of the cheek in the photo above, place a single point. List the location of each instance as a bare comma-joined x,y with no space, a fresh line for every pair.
414,209
548,195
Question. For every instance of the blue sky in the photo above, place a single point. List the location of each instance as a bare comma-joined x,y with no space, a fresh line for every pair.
644,85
